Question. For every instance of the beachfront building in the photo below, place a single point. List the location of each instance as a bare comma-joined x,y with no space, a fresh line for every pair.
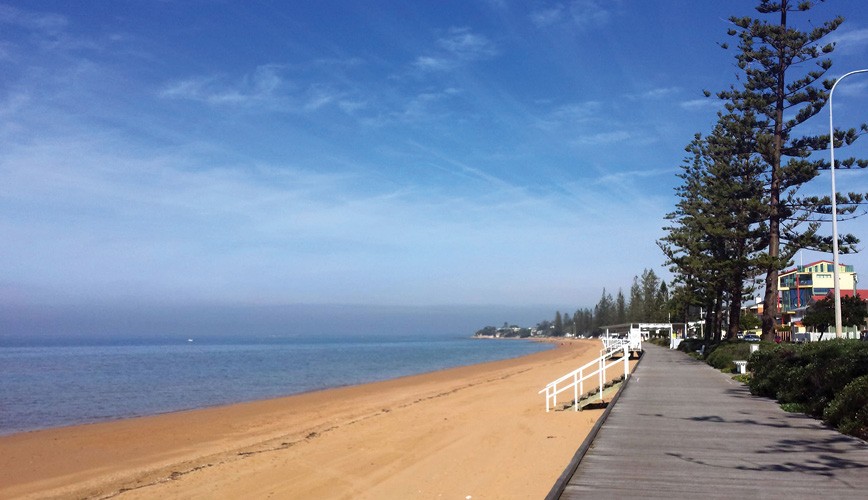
802,285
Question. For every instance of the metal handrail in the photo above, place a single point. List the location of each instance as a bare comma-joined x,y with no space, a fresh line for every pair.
579,377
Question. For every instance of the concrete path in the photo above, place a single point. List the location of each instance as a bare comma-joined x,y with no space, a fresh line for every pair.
681,429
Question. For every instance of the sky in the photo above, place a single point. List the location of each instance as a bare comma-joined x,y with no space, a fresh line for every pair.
496,160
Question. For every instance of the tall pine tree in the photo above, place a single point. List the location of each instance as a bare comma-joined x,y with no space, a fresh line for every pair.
782,86
620,308
716,231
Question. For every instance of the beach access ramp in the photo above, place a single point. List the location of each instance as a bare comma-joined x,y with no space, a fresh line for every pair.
596,374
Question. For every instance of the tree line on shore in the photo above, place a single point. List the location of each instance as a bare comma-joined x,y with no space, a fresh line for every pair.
648,302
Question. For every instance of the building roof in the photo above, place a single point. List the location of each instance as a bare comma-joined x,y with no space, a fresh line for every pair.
797,268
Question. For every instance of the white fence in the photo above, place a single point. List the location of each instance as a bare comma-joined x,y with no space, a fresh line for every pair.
575,380
635,332
614,344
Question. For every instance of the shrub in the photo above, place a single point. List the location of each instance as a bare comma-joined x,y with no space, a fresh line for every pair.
810,374
848,411
690,345
832,365
723,354
771,369
662,342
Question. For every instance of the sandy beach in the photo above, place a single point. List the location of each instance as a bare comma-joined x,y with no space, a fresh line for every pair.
479,431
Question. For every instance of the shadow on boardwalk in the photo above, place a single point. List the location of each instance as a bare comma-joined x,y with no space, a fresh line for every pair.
681,429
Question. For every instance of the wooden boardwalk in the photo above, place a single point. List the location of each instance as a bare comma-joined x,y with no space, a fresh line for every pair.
681,429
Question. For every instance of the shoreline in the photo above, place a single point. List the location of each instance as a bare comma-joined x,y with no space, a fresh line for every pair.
370,436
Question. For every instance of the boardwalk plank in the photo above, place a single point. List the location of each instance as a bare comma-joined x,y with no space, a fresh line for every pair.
684,430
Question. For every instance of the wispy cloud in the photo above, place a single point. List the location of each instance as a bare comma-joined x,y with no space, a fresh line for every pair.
457,47
569,115
500,5
261,86
849,41
44,22
431,63
317,85
654,94
466,45
581,14
462,169
47,31
319,96
589,13
548,16
632,184
422,107
347,62
604,138
701,104
628,176
351,106
855,87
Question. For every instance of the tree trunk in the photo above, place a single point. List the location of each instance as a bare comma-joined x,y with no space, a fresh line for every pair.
770,304
718,304
734,315
735,295
709,324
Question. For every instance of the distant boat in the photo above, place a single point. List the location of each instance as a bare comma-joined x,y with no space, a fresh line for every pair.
189,340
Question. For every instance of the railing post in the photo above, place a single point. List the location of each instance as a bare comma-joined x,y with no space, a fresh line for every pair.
626,362
602,371
582,381
555,395
576,391
547,399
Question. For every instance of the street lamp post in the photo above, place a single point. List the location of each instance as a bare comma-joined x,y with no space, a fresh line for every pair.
838,327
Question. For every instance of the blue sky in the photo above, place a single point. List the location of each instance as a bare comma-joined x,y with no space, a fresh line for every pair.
410,154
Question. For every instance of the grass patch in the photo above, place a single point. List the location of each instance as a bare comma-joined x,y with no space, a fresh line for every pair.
794,407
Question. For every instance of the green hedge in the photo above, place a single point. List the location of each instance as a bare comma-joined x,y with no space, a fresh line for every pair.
723,355
848,412
662,342
812,376
720,355
690,345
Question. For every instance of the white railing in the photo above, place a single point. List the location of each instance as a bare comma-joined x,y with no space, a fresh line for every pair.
613,344
575,380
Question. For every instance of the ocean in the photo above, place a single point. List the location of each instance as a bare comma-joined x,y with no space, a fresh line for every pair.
43,386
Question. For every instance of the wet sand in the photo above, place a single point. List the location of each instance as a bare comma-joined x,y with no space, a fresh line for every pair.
478,431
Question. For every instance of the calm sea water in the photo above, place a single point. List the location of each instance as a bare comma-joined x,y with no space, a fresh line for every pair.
50,386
